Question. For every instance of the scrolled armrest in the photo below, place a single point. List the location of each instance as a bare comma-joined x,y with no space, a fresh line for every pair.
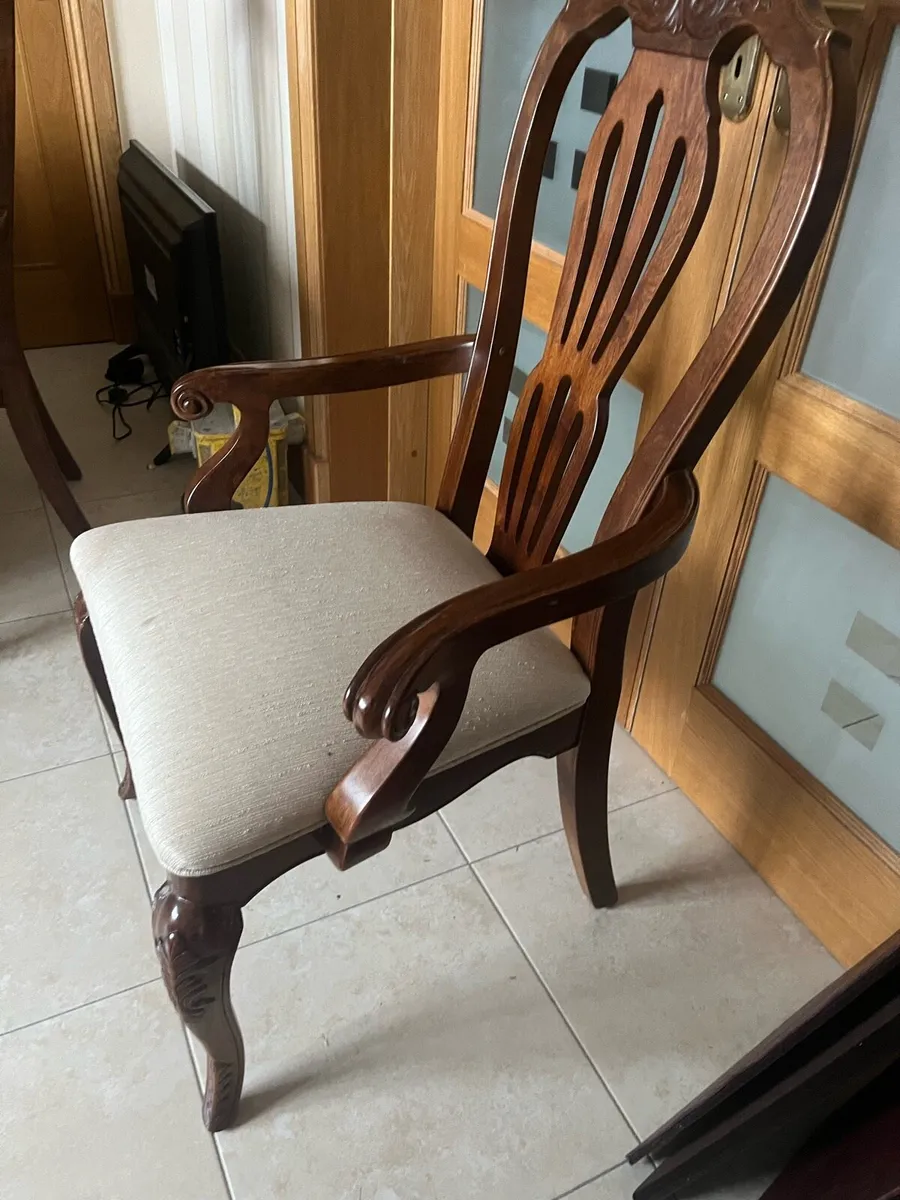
443,645
253,387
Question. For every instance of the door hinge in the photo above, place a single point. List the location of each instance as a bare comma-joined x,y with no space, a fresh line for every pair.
739,80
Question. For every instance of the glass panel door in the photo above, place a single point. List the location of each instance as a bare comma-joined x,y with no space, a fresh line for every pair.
855,342
782,719
512,35
812,650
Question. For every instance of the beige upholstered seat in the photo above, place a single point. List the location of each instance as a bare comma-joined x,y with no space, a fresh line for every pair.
228,640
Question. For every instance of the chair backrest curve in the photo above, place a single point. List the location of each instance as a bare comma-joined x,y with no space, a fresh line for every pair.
645,191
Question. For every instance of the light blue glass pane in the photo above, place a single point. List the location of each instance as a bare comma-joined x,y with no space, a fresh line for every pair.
812,650
624,415
513,33
855,342
621,436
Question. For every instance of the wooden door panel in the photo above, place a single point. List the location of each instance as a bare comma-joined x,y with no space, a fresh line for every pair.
829,449
60,291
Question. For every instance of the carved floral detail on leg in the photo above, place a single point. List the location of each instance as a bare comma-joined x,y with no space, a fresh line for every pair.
196,947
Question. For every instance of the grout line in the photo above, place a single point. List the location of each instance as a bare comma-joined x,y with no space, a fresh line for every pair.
666,791
555,1004
594,1179
59,767
229,1190
65,1012
550,832
352,907
57,612
145,875
456,840
196,1069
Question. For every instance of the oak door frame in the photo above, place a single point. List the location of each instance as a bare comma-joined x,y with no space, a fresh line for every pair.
87,49
364,93
830,868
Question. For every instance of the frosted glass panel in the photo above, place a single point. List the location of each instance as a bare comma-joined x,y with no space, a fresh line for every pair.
624,416
855,345
513,33
812,650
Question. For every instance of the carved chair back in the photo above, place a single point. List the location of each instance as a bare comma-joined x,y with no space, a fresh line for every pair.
645,192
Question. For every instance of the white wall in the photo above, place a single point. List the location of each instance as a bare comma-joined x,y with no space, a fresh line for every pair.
138,75
216,75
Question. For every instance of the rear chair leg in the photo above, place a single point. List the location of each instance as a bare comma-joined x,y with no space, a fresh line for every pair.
196,946
583,800
583,772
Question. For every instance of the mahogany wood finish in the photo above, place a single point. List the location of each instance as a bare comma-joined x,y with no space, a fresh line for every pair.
856,1154
252,388
645,191
196,946
44,450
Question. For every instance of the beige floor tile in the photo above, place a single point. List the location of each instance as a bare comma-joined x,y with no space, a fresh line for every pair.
107,512
31,583
617,1185
50,716
699,961
68,377
406,1049
18,490
102,1104
318,889
521,802
81,930
620,1185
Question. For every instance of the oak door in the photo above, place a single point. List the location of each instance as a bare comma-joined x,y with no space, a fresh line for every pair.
772,686
60,290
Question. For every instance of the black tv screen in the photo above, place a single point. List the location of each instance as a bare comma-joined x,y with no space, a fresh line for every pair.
173,248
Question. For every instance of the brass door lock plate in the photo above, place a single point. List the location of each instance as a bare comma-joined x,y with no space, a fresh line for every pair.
739,81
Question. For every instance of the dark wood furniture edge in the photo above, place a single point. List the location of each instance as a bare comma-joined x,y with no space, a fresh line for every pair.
738,1083
817,1089
253,387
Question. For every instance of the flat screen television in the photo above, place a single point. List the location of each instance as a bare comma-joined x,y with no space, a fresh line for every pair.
173,248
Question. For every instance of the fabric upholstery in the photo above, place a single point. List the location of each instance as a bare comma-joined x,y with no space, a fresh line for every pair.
229,638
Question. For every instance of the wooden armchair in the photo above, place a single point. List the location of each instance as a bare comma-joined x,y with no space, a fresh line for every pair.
225,641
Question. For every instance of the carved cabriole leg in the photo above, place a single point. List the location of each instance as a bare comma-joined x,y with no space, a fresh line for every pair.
196,946
583,772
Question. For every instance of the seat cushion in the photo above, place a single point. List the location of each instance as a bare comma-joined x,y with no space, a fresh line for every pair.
228,640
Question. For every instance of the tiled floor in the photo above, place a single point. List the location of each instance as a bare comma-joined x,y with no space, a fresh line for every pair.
450,1020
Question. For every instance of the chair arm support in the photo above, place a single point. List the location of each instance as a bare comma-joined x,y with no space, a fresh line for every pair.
253,387
443,645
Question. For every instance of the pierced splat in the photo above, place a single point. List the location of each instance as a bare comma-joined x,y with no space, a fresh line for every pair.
644,193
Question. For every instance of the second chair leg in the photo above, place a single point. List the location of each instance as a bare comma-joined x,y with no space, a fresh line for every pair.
61,451
583,772
196,946
44,456
583,800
